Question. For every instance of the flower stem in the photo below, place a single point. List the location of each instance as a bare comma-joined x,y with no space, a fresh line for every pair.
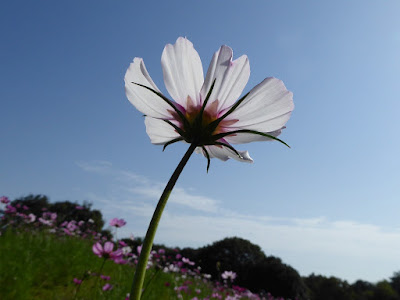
140,272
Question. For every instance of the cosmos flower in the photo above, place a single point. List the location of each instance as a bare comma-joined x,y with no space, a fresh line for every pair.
229,275
4,199
107,287
117,222
207,112
106,251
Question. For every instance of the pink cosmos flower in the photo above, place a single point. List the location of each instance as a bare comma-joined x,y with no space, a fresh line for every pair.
77,281
106,251
107,287
105,277
10,209
117,222
31,218
4,199
229,275
206,112
187,261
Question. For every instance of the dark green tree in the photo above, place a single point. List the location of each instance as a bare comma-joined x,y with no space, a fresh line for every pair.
324,288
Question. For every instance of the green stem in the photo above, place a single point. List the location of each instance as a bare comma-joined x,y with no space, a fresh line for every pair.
140,272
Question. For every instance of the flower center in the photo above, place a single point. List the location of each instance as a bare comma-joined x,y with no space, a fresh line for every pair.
209,114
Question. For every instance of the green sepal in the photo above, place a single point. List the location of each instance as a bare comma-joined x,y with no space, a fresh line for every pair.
172,142
224,134
179,130
184,120
215,123
200,115
230,147
207,156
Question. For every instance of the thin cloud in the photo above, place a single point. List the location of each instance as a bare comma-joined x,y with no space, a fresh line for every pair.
308,244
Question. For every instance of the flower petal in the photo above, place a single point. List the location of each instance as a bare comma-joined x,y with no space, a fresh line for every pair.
242,138
183,71
267,108
231,77
98,249
159,131
224,153
144,100
108,247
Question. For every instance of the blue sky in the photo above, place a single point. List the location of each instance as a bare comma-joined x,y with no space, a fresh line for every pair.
328,205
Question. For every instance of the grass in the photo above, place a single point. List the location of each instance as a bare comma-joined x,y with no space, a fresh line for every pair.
41,265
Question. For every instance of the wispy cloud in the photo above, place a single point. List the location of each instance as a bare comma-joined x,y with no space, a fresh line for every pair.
308,244
136,185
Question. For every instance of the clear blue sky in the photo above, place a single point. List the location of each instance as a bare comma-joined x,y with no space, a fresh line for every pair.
328,205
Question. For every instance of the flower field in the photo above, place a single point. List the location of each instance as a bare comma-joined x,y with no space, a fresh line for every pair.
42,258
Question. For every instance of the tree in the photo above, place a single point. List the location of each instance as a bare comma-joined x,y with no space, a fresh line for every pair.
384,291
324,288
255,271
66,210
395,282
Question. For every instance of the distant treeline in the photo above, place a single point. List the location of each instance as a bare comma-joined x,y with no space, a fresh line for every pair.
255,270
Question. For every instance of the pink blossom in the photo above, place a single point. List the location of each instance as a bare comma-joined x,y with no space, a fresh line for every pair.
106,251
122,243
77,281
78,207
120,261
45,222
25,207
72,226
10,209
104,277
207,110
107,287
229,275
31,218
187,261
117,222
4,200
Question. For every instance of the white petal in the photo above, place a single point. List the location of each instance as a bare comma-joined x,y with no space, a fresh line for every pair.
224,153
183,71
159,131
242,138
231,77
144,100
266,109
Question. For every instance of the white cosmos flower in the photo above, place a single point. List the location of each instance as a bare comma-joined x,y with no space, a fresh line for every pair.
207,111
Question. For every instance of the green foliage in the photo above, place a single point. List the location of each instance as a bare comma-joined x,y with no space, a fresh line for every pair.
255,271
66,210
384,291
324,288
41,266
